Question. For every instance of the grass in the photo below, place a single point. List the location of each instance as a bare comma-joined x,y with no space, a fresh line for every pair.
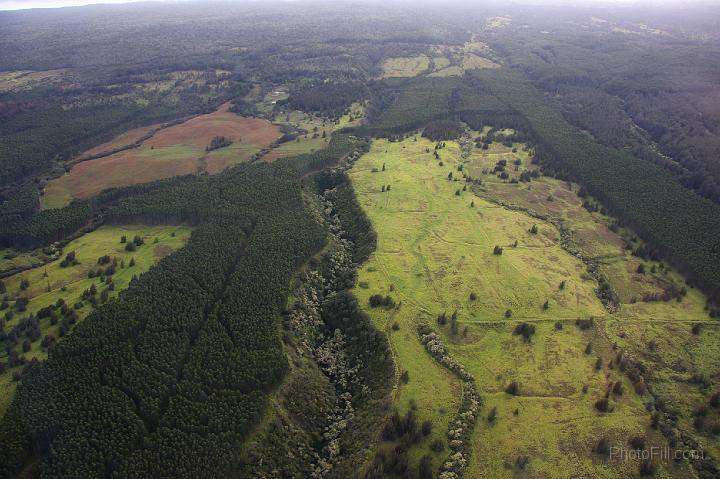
51,282
434,249
405,66
11,259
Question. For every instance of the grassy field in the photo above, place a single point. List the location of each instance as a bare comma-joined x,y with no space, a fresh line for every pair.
405,66
52,282
177,150
435,254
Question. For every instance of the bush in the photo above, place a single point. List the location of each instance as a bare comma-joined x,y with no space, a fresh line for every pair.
525,330
437,445
513,388
492,415
647,468
405,377
602,447
637,442
602,405
426,428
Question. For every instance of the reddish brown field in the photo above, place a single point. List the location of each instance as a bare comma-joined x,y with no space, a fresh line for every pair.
173,151
200,130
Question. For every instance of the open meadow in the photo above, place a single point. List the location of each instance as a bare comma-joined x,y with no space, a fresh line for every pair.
492,255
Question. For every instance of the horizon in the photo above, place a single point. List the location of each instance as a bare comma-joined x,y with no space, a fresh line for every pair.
19,5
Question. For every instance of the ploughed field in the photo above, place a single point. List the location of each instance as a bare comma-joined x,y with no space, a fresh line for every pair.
507,273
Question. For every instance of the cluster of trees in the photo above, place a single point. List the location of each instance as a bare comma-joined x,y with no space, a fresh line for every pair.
406,105
645,196
330,99
218,142
441,130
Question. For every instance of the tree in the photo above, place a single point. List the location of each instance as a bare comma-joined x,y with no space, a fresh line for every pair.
562,284
641,268
497,250
546,304
24,284
425,470
534,230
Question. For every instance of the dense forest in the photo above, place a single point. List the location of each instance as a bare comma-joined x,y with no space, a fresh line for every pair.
172,363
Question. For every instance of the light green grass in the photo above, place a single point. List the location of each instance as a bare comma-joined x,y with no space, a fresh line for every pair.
74,279
11,259
434,249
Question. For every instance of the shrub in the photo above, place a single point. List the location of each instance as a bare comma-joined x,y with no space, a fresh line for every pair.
405,377
525,330
602,447
602,405
426,428
513,388
647,468
437,445
637,442
492,415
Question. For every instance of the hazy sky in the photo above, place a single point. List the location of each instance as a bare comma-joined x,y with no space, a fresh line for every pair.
21,4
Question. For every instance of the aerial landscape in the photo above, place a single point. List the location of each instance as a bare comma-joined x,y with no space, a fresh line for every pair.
359,239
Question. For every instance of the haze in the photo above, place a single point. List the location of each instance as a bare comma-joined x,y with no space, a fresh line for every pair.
28,4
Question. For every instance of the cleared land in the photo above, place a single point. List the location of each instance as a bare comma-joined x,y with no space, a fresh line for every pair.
49,283
405,66
177,150
435,249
